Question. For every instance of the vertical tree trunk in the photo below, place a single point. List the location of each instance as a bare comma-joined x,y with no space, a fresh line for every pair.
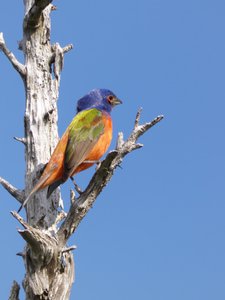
41,113
49,272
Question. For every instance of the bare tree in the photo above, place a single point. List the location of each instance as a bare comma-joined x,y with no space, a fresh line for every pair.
48,260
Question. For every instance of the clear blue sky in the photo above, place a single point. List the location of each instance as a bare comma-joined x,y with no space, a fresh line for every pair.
158,230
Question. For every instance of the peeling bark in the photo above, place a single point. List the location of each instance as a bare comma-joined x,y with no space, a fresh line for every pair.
49,269
49,272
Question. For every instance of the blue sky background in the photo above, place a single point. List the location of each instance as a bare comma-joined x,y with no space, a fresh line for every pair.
158,229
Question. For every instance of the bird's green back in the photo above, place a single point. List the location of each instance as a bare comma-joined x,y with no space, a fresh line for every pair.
84,131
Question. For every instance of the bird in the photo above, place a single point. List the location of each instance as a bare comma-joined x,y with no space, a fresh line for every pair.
85,141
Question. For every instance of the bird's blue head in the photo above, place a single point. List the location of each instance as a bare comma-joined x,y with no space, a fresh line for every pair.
102,99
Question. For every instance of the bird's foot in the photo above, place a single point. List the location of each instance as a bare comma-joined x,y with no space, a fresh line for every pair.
98,165
77,188
97,162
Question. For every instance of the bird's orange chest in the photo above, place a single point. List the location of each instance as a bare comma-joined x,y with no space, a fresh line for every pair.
104,141
56,164
101,146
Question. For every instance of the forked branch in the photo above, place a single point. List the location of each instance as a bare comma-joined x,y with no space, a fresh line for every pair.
41,243
102,176
58,58
46,263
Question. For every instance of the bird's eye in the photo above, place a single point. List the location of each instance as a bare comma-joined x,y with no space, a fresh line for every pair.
110,99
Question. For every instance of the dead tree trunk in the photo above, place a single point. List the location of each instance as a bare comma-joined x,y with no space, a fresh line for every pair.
49,272
48,261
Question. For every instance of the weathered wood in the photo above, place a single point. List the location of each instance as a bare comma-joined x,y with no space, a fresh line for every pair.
16,193
11,57
49,264
14,293
49,271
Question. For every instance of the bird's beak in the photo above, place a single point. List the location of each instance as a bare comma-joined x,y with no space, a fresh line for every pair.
116,101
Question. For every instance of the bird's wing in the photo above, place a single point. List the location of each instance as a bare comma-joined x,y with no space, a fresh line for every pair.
84,132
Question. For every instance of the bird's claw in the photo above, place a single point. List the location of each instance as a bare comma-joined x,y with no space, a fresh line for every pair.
97,162
120,166
77,188
98,165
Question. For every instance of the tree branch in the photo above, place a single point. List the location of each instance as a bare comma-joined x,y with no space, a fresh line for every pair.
120,141
67,48
32,18
14,293
22,140
71,248
11,57
57,58
102,176
16,193
20,219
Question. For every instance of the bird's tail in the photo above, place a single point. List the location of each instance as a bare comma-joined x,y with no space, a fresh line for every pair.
53,186
34,190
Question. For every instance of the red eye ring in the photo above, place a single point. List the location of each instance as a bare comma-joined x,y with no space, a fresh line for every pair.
110,98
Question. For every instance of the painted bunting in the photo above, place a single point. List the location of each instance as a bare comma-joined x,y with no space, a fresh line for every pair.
84,142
